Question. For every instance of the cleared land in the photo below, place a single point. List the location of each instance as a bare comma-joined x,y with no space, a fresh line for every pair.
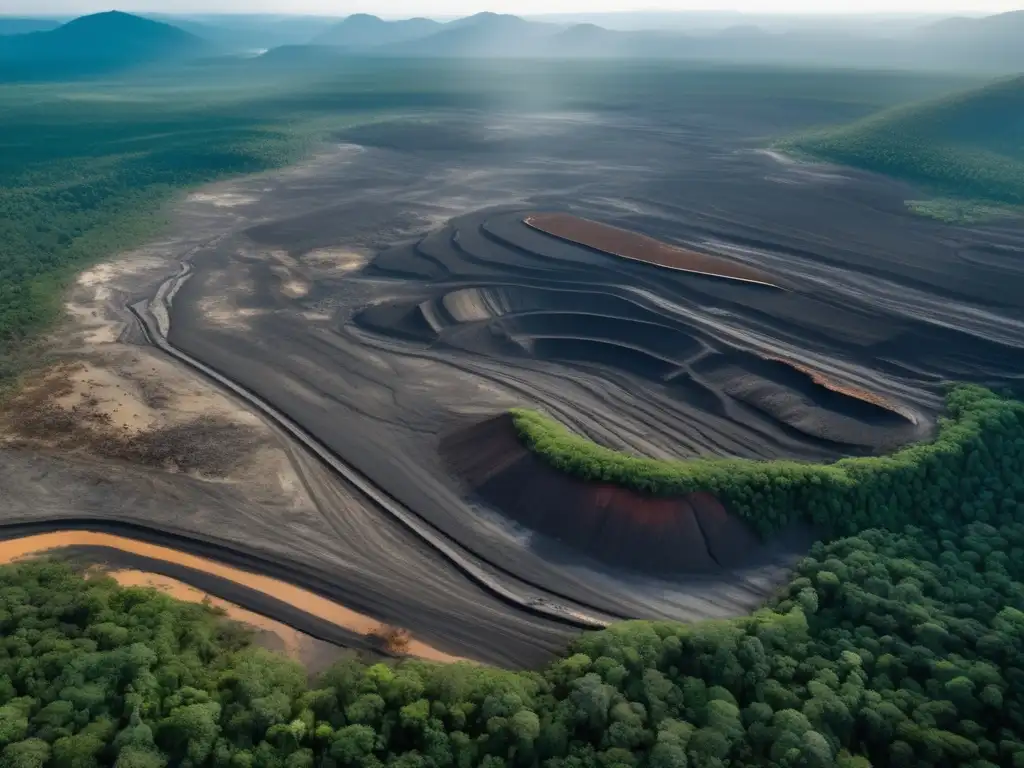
633,245
464,313
388,295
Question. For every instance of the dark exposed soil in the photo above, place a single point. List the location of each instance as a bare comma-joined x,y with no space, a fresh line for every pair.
463,311
692,534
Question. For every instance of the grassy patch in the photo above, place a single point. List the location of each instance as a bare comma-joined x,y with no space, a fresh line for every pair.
953,211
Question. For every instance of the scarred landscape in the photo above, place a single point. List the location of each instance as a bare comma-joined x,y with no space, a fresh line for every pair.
626,389
393,302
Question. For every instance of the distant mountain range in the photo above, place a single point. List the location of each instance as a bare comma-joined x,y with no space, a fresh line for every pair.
994,43
250,32
17,25
365,31
112,41
95,44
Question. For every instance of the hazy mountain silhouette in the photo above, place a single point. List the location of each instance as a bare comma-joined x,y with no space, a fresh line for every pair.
991,42
16,25
703,22
481,35
980,44
238,32
301,56
362,30
101,42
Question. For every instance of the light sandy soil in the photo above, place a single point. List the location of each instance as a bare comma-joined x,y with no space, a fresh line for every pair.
336,261
105,389
316,605
219,312
107,393
221,199
294,283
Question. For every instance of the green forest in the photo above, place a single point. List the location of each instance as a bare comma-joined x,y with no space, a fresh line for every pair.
969,145
886,649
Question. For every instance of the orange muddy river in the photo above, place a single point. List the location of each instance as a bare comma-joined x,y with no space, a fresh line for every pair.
293,640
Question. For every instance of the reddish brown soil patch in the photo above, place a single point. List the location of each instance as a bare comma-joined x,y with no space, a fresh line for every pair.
834,386
612,524
637,247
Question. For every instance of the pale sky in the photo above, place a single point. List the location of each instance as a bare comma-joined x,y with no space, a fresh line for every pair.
405,8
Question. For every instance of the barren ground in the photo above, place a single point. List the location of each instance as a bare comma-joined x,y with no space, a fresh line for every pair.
386,294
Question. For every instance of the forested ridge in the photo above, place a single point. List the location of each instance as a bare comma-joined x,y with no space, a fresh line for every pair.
970,145
972,470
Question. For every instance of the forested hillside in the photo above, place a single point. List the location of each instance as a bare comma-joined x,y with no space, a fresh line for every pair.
94,44
970,145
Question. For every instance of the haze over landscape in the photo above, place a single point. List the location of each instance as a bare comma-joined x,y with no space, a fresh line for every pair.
545,386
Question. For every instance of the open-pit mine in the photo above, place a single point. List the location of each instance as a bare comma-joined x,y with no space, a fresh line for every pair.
369,318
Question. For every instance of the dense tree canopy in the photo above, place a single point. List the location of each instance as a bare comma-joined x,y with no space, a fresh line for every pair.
968,145
886,649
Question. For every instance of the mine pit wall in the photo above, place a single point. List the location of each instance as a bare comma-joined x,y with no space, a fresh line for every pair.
617,526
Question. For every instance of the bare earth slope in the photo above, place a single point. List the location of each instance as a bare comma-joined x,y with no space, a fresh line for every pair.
693,534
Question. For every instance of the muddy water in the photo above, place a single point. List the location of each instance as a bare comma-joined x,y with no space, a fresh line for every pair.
14,549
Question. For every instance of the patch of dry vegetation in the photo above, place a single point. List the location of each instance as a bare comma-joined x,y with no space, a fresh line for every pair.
393,639
65,409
